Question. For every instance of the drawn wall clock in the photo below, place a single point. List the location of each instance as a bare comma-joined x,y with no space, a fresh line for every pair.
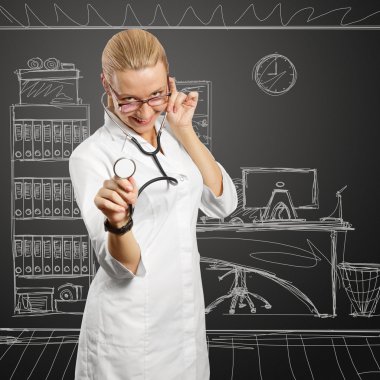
275,74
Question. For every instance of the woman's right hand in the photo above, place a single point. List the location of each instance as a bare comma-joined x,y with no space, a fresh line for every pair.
114,198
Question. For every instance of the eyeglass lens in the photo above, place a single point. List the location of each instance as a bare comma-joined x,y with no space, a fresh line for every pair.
156,101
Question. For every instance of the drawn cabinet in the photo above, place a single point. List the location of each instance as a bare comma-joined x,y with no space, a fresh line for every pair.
53,261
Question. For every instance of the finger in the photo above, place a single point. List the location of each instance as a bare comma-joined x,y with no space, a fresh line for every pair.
133,181
112,185
132,199
130,183
134,184
191,99
179,100
114,197
129,196
172,85
106,206
123,183
174,92
171,102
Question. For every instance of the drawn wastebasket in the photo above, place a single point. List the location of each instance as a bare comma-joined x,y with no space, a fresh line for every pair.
362,285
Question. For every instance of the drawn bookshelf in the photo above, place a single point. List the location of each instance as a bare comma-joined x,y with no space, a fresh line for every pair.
52,255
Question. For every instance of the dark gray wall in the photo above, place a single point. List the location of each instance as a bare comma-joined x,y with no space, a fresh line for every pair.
327,121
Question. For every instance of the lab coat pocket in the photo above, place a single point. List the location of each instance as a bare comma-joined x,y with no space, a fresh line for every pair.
102,360
115,362
122,313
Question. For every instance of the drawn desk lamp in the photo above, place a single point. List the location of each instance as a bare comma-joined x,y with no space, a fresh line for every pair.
337,214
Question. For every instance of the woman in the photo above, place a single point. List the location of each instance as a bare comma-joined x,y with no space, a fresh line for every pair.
144,316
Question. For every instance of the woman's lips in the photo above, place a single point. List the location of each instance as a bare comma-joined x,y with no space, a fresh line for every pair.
142,121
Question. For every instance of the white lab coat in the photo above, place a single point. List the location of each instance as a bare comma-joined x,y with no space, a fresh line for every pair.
150,325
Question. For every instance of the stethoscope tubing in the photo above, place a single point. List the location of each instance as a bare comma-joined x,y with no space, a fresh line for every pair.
153,154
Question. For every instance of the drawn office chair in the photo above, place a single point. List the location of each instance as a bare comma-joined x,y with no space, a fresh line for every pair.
238,290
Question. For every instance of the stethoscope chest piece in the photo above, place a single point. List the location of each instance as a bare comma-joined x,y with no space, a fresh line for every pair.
124,167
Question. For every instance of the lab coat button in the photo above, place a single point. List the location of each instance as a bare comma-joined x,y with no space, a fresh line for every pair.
181,178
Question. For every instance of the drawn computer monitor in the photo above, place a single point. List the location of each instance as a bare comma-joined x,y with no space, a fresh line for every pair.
276,193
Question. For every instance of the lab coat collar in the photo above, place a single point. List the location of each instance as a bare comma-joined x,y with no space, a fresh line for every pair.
117,134
114,125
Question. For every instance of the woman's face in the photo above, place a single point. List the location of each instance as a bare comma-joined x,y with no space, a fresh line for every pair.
132,85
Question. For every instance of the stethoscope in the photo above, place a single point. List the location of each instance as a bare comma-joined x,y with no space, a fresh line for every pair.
124,167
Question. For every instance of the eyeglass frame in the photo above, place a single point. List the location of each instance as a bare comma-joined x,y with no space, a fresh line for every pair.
141,101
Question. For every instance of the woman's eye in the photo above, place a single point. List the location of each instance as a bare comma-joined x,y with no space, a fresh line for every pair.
158,93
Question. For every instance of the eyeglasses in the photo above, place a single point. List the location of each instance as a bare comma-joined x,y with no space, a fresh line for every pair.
126,107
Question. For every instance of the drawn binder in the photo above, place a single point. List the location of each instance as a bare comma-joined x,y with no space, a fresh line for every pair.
28,256
67,203
76,211
18,144
57,255
57,139
67,255
57,197
37,140
77,134
67,139
85,266
76,255
47,197
85,130
37,197
18,257
37,256
47,143
28,142
28,198
47,261
18,199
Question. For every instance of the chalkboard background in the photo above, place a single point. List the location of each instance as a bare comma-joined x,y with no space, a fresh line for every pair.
325,122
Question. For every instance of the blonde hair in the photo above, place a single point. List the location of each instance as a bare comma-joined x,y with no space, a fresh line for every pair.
132,49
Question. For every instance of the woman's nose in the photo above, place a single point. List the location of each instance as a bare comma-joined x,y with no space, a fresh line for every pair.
145,111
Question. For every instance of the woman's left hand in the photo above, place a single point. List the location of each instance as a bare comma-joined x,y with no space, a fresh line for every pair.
181,108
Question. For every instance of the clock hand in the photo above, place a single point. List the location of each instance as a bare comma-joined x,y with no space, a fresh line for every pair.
274,79
277,79
275,67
